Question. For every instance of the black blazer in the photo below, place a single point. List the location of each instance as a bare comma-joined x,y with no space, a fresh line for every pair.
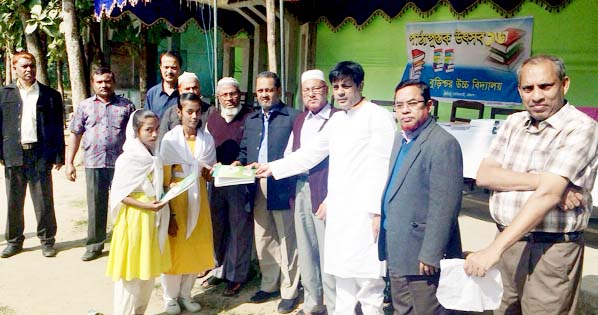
50,127
279,130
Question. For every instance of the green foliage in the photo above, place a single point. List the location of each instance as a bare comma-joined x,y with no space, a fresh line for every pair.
47,19
10,26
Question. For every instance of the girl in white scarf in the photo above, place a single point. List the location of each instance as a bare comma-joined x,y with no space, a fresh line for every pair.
138,250
186,149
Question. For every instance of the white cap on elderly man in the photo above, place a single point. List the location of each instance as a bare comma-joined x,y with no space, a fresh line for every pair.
188,75
312,74
227,81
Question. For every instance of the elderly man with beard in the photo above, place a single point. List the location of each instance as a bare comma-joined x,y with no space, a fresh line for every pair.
232,219
188,82
358,141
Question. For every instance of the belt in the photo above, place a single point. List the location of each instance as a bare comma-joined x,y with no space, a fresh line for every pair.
29,146
547,237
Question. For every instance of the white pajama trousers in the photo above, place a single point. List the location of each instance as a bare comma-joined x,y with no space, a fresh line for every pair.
132,297
368,292
176,286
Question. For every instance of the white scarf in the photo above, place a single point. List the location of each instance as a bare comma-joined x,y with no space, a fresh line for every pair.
130,173
174,150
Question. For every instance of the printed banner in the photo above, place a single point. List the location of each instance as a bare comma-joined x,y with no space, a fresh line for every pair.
472,60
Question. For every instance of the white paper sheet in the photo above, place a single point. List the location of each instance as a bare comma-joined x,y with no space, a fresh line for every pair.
458,291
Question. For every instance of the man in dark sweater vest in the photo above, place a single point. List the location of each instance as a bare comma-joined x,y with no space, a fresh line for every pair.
310,193
232,218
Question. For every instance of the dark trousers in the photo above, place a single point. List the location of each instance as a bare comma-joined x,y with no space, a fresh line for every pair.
40,185
415,295
233,231
98,182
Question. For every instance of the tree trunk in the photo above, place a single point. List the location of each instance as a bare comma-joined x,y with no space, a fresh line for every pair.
34,46
271,31
142,67
8,66
59,84
74,53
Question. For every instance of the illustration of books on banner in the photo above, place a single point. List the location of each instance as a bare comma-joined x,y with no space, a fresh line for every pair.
438,60
180,187
417,63
228,175
449,64
504,56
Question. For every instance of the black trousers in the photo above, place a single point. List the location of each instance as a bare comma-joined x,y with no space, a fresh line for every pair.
39,181
416,295
98,182
232,228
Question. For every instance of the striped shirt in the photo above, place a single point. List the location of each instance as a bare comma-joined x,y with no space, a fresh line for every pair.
565,144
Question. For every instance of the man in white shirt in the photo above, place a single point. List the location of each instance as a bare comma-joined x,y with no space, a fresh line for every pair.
32,129
359,143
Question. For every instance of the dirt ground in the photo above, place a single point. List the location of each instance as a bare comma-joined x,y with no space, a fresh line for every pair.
64,285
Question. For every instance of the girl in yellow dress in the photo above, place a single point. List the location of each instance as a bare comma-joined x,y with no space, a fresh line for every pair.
138,250
186,150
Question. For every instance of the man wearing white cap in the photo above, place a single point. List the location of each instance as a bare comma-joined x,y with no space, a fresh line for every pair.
310,193
359,142
232,219
188,82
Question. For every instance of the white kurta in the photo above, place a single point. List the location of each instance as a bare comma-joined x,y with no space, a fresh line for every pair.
359,143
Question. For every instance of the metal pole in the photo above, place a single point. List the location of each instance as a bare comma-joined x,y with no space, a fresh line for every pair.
215,52
283,80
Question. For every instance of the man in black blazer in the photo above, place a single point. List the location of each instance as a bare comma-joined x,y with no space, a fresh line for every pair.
32,133
265,137
420,204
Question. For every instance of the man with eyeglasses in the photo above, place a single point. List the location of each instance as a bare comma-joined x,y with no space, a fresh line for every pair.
188,82
420,203
358,141
318,287
232,219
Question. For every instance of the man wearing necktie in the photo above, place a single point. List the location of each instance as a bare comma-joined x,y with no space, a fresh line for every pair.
420,204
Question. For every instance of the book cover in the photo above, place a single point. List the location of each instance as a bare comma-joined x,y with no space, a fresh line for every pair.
514,36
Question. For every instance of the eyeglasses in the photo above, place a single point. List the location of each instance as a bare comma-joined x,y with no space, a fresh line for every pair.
316,90
229,95
410,105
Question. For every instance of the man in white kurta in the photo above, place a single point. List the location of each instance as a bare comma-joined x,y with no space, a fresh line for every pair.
358,143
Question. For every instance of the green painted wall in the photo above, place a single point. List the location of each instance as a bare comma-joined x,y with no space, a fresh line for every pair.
196,51
380,46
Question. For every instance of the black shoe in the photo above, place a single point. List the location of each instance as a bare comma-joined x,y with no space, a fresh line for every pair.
287,305
263,296
91,255
212,281
48,251
11,250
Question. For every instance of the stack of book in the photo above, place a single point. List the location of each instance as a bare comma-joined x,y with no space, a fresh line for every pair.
438,60
449,64
417,63
504,56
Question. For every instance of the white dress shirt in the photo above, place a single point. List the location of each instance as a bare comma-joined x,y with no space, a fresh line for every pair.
29,97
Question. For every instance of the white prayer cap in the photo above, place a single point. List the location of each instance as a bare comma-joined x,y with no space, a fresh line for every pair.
227,81
312,74
188,75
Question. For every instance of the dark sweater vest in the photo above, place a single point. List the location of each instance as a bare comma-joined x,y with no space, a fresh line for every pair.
318,175
227,136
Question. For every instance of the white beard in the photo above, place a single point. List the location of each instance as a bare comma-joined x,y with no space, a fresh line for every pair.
229,113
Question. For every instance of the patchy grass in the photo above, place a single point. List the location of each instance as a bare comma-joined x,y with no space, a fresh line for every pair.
5,310
79,224
78,204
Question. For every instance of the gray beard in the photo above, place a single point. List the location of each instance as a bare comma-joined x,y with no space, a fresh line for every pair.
229,113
